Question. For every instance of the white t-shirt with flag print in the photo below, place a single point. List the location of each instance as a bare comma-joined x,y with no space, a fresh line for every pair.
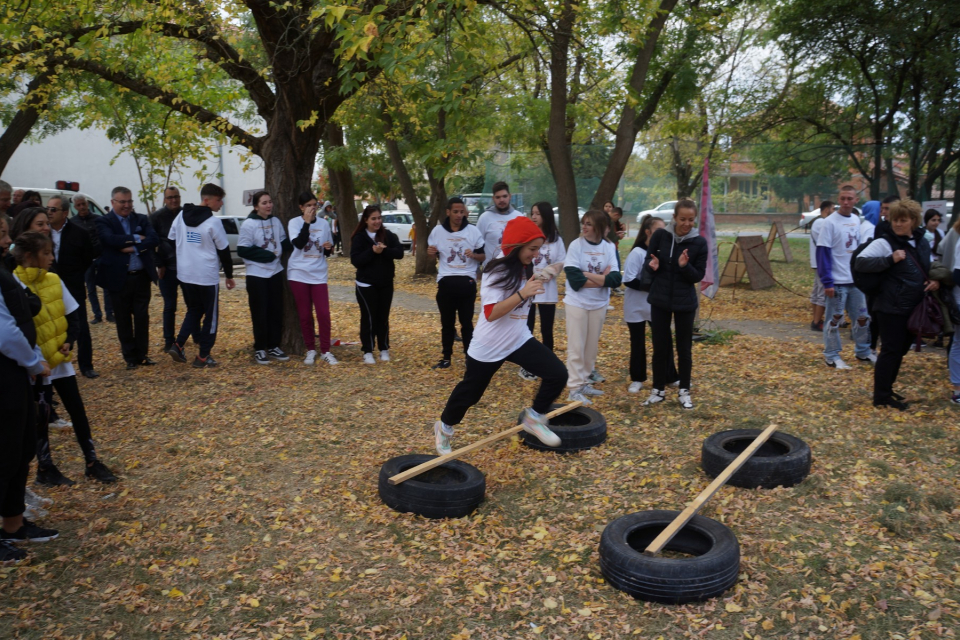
451,248
197,259
494,341
550,253
309,265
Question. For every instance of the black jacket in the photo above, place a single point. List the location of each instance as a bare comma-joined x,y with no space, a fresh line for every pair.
76,255
161,220
373,268
901,283
22,305
673,286
89,224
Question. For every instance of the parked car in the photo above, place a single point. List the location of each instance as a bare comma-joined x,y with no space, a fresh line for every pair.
231,225
399,222
664,211
45,195
807,218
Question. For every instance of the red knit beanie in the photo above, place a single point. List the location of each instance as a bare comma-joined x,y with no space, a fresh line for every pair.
519,232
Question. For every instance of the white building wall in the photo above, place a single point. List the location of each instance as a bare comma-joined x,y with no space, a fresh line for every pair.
84,157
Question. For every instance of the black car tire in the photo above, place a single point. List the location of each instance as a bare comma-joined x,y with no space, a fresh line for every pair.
579,429
782,461
452,490
713,567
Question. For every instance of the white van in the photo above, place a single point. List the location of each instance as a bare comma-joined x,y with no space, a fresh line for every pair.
45,195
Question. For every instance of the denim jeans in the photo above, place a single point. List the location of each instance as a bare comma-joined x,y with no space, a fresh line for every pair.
91,280
954,360
846,296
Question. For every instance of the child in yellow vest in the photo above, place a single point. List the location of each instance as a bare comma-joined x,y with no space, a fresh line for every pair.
56,326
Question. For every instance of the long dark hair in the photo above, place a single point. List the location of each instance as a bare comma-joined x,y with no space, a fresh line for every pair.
548,223
31,242
368,211
256,200
508,272
23,221
641,240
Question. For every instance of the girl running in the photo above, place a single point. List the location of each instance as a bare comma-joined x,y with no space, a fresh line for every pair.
546,266
506,294
57,326
312,242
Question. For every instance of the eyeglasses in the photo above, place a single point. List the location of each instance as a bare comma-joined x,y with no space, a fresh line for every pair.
53,209
123,201
176,197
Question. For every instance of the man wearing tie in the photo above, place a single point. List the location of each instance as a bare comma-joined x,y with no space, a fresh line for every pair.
126,271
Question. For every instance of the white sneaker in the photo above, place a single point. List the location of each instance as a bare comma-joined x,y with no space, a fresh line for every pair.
368,359
442,437
683,396
655,397
609,307
60,423
384,356
588,390
837,364
260,356
872,358
311,357
595,377
526,375
635,387
536,425
32,498
675,384
576,395
328,358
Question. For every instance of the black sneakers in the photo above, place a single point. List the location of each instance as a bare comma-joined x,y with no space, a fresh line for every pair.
200,363
30,532
443,364
9,554
277,354
99,471
51,477
176,352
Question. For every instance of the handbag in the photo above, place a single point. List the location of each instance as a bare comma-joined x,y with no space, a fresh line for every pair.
926,320
646,273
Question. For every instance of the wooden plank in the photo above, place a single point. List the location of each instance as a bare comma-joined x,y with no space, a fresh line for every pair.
735,268
687,514
479,444
756,262
777,231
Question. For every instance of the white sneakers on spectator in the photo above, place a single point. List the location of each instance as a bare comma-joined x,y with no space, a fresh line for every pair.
385,356
311,357
577,395
635,387
595,377
655,397
838,364
872,358
60,423
683,397
368,359
328,358
588,390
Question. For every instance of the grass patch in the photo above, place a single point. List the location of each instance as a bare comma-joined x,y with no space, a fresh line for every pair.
719,336
901,493
942,501
897,519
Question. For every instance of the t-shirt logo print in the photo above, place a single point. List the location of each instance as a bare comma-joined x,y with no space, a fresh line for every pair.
268,240
594,267
456,252
851,239
193,237
311,244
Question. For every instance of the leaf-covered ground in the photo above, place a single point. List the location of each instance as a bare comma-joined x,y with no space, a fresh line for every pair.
248,505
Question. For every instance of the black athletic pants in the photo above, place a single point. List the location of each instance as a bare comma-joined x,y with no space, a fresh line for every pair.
532,356
456,295
18,436
638,354
69,394
548,312
895,342
131,306
663,364
266,310
201,302
375,317
78,290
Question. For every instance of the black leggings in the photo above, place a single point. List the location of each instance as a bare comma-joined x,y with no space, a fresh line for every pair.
18,437
663,346
456,295
375,316
895,342
69,394
532,356
265,296
548,312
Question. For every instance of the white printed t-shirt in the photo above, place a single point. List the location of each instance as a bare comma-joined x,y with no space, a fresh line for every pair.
309,265
814,234
266,234
550,253
451,247
197,259
590,258
494,341
491,225
840,234
636,307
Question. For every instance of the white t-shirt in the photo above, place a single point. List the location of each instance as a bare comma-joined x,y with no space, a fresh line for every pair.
491,225
814,234
494,341
636,307
55,236
867,230
451,247
841,234
197,259
266,234
64,369
309,265
550,253
590,258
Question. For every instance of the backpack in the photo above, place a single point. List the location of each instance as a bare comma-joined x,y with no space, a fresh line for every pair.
868,283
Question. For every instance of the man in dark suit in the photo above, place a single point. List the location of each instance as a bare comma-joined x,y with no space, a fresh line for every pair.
126,271
166,261
74,252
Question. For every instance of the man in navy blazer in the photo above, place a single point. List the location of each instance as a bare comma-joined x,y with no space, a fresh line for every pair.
126,271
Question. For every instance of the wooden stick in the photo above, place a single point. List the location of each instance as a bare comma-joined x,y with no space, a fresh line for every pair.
687,514
453,455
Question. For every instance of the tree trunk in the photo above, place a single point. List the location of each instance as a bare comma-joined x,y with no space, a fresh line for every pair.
892,188
559,133
23,121
956,201
344,191
426,264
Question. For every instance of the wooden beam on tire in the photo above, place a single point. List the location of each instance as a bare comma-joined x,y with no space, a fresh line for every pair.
479,444
662,540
